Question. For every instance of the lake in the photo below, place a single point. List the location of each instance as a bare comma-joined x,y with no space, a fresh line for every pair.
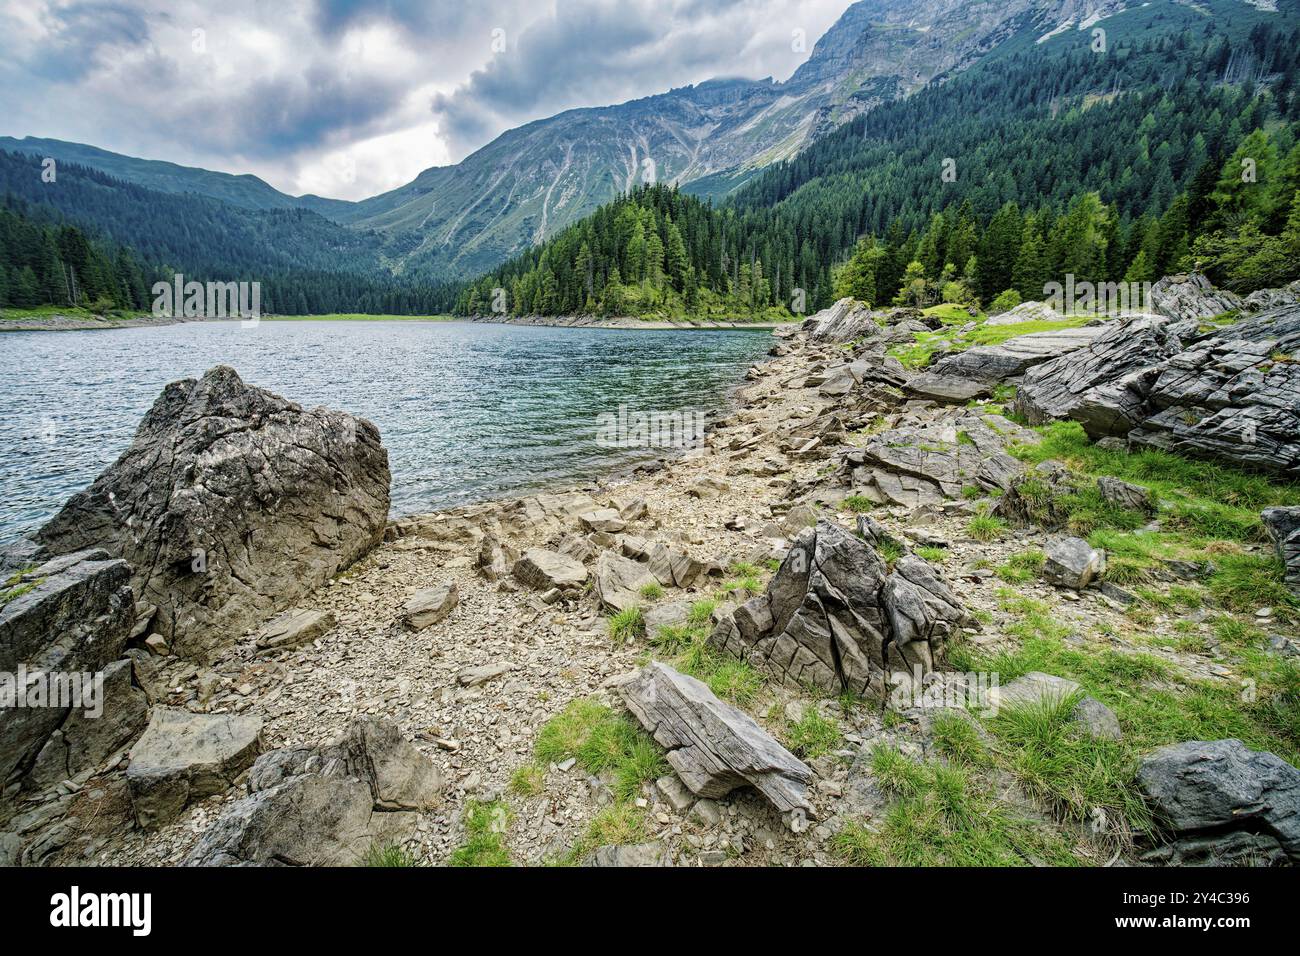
467,411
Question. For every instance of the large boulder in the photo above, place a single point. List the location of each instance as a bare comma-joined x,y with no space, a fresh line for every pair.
1283,525
1191,296
184,757
71,616
229,505
1230,392
327,805
1220,788
835,617
844,321
713,746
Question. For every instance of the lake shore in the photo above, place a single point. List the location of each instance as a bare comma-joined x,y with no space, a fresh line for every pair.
78,322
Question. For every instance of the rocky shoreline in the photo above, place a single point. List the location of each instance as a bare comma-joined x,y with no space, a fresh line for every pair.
774,609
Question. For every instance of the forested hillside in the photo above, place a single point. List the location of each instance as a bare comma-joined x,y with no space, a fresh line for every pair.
306,264
1114,166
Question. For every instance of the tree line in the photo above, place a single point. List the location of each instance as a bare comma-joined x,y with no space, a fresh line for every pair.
1124,166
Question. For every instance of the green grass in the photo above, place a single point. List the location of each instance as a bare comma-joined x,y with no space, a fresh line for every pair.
485,845
890,550
528,780
627,625
1155,702
601,741
997,334
986,528
1203,498
749,585
942,815
1023,567
813,735
390,855
932,554
858,504
652,591
1245,582
608,745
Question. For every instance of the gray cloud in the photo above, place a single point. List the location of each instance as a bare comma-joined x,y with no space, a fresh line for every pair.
296,92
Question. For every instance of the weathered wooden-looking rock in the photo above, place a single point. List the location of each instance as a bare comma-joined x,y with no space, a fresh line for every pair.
230,504
713,746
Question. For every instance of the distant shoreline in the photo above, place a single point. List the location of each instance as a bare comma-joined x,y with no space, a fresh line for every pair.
63,322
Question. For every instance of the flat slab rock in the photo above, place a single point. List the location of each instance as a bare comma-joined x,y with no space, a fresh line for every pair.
430,606
293,627
713,746
543,570
184,757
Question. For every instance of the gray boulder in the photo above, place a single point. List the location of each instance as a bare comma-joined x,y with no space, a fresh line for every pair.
639,854
542,570
1230,393
713,746
1072,563
184,757
325,806
294,627
1220,787
1191,296
619,581
230,504
844,321
1014,357
1283,526
85,740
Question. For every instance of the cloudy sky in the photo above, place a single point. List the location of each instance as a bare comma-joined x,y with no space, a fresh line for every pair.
348,99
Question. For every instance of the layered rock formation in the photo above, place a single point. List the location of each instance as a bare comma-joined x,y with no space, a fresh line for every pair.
229,505
835,617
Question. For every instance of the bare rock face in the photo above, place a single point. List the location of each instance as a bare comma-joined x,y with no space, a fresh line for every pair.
229,505
713,746
1232,392
844,321
327,805
1191,296
74,618
184,757
430,606
996,363
836,617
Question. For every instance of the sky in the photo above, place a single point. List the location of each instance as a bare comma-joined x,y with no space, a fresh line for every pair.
350,99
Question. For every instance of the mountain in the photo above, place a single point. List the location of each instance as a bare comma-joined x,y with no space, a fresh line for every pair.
713,139
531,182
245,191
1119,167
